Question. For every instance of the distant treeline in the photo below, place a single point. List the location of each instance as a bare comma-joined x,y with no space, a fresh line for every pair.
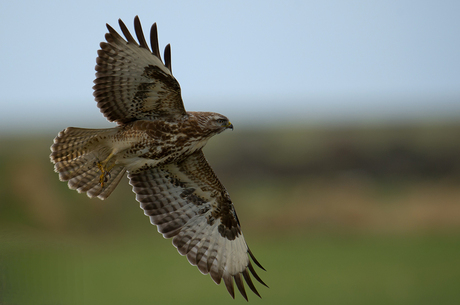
420,151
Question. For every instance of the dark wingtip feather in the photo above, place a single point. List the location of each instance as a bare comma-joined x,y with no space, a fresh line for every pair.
248,280
154,41
251,268
168,57
229,284
110,28
126,32
140,33
112,35
240,285
255,260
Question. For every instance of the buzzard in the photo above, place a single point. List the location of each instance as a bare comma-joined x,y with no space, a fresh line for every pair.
159,145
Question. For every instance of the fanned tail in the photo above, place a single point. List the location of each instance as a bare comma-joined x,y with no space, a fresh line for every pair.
76,153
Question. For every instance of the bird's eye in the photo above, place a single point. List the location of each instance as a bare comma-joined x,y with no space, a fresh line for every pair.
220,121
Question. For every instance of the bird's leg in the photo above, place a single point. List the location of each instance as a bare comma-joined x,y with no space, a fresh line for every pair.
105,170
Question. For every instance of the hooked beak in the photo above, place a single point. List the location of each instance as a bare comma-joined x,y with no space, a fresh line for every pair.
229,126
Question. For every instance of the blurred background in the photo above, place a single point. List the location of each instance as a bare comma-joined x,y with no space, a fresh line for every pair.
344,165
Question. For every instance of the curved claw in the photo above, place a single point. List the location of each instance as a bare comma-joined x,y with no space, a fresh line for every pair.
105,170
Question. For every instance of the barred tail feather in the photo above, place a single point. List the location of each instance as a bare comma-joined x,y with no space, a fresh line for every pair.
75,154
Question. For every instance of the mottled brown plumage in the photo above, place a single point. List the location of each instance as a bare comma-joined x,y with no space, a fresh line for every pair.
159,145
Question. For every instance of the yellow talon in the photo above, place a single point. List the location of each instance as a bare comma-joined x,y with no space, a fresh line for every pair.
105,170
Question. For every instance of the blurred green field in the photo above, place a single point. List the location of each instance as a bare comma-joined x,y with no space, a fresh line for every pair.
144,269
338,215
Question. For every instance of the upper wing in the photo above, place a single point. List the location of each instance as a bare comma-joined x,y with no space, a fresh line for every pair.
131,82
187,201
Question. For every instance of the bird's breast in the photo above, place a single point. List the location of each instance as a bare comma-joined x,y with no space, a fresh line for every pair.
158,142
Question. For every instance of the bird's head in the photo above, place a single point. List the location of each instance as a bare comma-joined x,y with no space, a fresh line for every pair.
213,123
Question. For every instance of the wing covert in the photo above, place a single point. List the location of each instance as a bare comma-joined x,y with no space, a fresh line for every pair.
132,83
187,202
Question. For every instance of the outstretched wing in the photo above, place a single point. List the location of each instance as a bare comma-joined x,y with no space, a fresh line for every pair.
187,202
132,83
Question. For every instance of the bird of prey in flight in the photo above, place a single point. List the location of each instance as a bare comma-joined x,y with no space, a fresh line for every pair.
159,145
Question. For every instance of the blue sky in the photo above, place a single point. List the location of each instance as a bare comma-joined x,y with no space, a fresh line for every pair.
310,61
